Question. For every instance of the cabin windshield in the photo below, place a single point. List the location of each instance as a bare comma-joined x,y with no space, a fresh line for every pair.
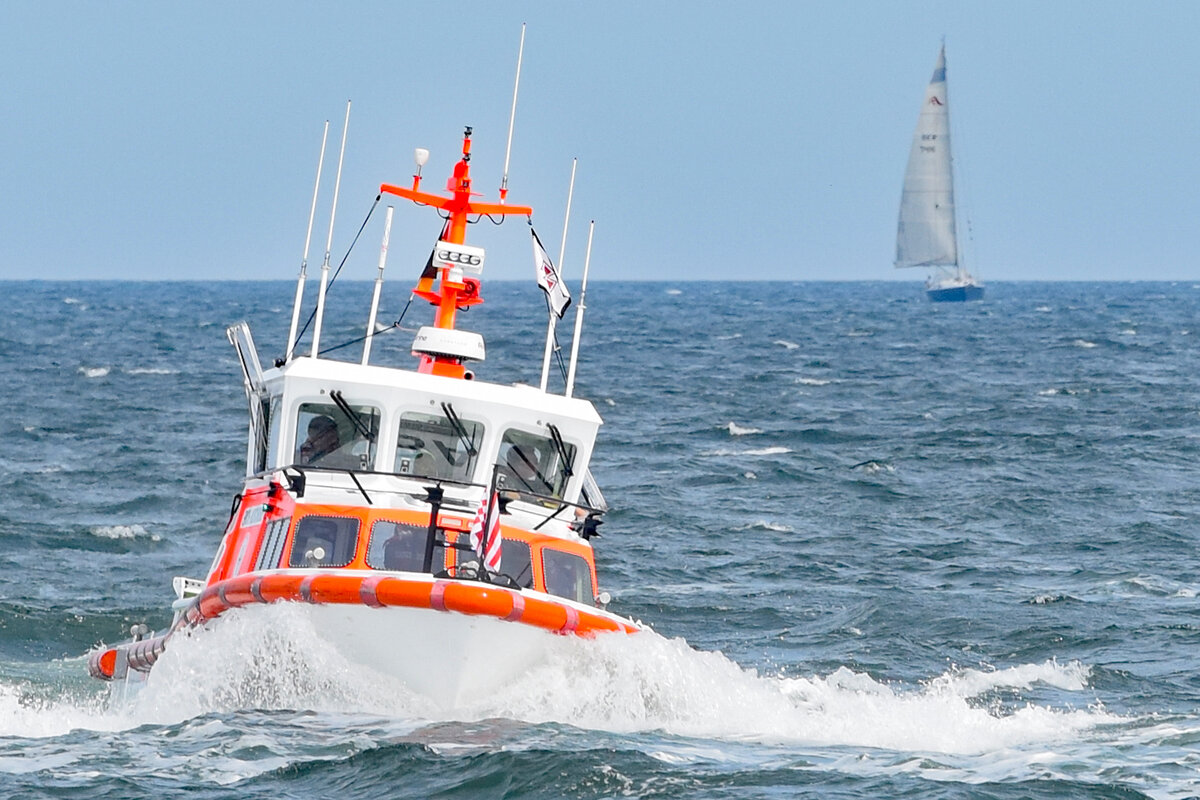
328,436
437,445
532,463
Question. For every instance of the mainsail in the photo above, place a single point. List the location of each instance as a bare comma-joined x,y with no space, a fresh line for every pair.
926,235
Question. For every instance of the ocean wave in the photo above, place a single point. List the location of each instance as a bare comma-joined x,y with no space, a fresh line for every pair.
118,532
94,372
737,430
764,525
762,451
813,381
150,371
1084,343
786,344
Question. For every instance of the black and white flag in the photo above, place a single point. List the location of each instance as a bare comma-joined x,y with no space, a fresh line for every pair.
547,277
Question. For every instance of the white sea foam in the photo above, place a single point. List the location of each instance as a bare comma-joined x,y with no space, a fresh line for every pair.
151,371
813,381
271,658
786,344
737,430
766,525
1083,343
94,372
763,451
728,337
674,291
72,301
1043,309
124,532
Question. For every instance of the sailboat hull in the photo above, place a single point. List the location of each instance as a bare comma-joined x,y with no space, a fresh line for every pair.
955,294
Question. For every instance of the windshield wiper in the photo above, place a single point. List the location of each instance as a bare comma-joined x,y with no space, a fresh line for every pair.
353,416
561,447
459,428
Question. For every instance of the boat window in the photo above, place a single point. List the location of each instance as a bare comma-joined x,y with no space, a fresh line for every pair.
274,430
515,561
567,575
397,546
432,446
328,436
262,426
531,463
324,542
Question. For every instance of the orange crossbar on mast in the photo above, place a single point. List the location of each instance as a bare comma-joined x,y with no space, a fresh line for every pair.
458,206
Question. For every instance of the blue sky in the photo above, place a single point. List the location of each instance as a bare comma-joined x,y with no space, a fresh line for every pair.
756,140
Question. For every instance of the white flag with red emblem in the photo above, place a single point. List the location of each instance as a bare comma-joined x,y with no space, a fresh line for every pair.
547,277
485,536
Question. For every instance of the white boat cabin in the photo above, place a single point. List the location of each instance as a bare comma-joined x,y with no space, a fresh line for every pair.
335,417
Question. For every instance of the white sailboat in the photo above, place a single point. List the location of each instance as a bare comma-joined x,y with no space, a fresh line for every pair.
927,234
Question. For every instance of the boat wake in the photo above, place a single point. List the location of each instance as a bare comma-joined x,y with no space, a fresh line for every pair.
952,726
273,658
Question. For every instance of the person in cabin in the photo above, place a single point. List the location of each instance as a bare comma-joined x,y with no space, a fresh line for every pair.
520,471
324,446
404,550
323,439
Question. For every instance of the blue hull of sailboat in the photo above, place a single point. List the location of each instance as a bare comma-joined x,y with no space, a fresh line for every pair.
955,294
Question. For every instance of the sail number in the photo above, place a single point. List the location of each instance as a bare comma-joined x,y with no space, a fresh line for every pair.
465,257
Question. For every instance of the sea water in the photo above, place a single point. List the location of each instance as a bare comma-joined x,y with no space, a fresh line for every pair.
886,549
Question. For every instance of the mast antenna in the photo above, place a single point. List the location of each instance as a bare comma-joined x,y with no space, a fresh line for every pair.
337,185
587,260
562,247
512,115
383,251
312,212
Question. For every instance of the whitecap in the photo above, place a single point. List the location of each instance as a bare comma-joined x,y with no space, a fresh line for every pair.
1083,343
737,430
813,381
766,525
674,291
765,451
786,344
116,532
1043,309
94,372
151,371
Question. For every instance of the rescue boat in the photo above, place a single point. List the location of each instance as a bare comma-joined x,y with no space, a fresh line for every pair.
405,505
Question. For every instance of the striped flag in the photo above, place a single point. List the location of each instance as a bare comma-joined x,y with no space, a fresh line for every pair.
485,534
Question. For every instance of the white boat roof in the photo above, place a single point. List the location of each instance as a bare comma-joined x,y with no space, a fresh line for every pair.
387,380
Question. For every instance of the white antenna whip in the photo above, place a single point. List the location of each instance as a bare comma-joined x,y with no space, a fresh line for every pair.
561,250
512,116
587,260
312,212
337,184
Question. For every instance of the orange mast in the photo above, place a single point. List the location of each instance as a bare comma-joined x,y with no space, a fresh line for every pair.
452,294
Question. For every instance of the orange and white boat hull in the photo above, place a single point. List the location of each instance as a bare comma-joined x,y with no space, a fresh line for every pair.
443,638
